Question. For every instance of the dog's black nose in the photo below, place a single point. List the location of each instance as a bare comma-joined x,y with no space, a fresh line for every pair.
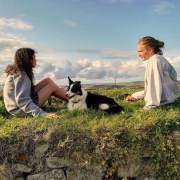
66,95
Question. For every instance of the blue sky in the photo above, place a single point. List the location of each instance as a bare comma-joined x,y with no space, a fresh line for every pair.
90,40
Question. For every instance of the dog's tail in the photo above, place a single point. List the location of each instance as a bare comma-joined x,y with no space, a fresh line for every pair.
115,109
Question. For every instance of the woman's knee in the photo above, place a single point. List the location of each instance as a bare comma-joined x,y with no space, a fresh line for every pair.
49,81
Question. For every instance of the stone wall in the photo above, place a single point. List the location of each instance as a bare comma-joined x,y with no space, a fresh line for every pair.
55,168
61,169
32,159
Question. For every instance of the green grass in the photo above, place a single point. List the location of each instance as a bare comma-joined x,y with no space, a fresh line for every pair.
107,140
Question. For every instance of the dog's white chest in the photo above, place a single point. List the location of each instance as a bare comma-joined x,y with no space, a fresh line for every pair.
78,105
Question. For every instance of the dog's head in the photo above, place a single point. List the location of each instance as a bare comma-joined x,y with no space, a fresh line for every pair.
74,89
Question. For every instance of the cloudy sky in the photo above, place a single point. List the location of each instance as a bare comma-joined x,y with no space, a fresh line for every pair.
94,41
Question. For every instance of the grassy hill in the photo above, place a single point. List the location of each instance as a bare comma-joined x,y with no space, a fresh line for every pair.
92,138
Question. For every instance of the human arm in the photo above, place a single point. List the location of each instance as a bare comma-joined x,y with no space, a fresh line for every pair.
22,96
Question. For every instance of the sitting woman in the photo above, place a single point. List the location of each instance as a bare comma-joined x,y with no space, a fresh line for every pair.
161,86
21,96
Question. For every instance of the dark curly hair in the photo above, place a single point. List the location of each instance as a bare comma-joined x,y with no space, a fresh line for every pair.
149,41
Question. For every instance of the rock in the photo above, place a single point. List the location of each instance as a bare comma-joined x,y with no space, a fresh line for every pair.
130,170
41,150
56,174
21,168
55,162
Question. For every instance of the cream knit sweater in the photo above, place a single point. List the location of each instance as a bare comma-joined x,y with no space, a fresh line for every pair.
161,85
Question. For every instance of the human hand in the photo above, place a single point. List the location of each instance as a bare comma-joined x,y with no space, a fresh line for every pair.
130,98
52,115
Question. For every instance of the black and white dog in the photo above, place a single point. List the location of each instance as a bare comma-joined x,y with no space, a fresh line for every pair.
78,98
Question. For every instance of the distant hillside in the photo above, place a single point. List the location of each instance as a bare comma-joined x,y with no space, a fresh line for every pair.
136,84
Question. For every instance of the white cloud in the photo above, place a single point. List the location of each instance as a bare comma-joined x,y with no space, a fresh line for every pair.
163,7
14,24
99,71
70,23
122,67
176,63
131,69
117,53
9,43
108,53
91,70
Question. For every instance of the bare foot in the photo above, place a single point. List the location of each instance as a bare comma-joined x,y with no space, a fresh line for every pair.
130,98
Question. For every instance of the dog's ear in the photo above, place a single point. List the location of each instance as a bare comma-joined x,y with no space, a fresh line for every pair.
78,82
78,86
70,81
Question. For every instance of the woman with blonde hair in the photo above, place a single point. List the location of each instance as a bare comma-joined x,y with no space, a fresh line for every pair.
161,86
21,96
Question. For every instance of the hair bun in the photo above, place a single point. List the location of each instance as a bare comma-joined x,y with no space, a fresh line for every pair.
160,44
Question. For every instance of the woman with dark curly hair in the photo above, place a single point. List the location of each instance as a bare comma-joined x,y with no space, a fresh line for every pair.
161,85
21,96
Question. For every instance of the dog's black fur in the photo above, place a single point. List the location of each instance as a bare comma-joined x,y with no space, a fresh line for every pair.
78,98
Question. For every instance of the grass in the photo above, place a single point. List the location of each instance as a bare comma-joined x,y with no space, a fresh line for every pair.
98,138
